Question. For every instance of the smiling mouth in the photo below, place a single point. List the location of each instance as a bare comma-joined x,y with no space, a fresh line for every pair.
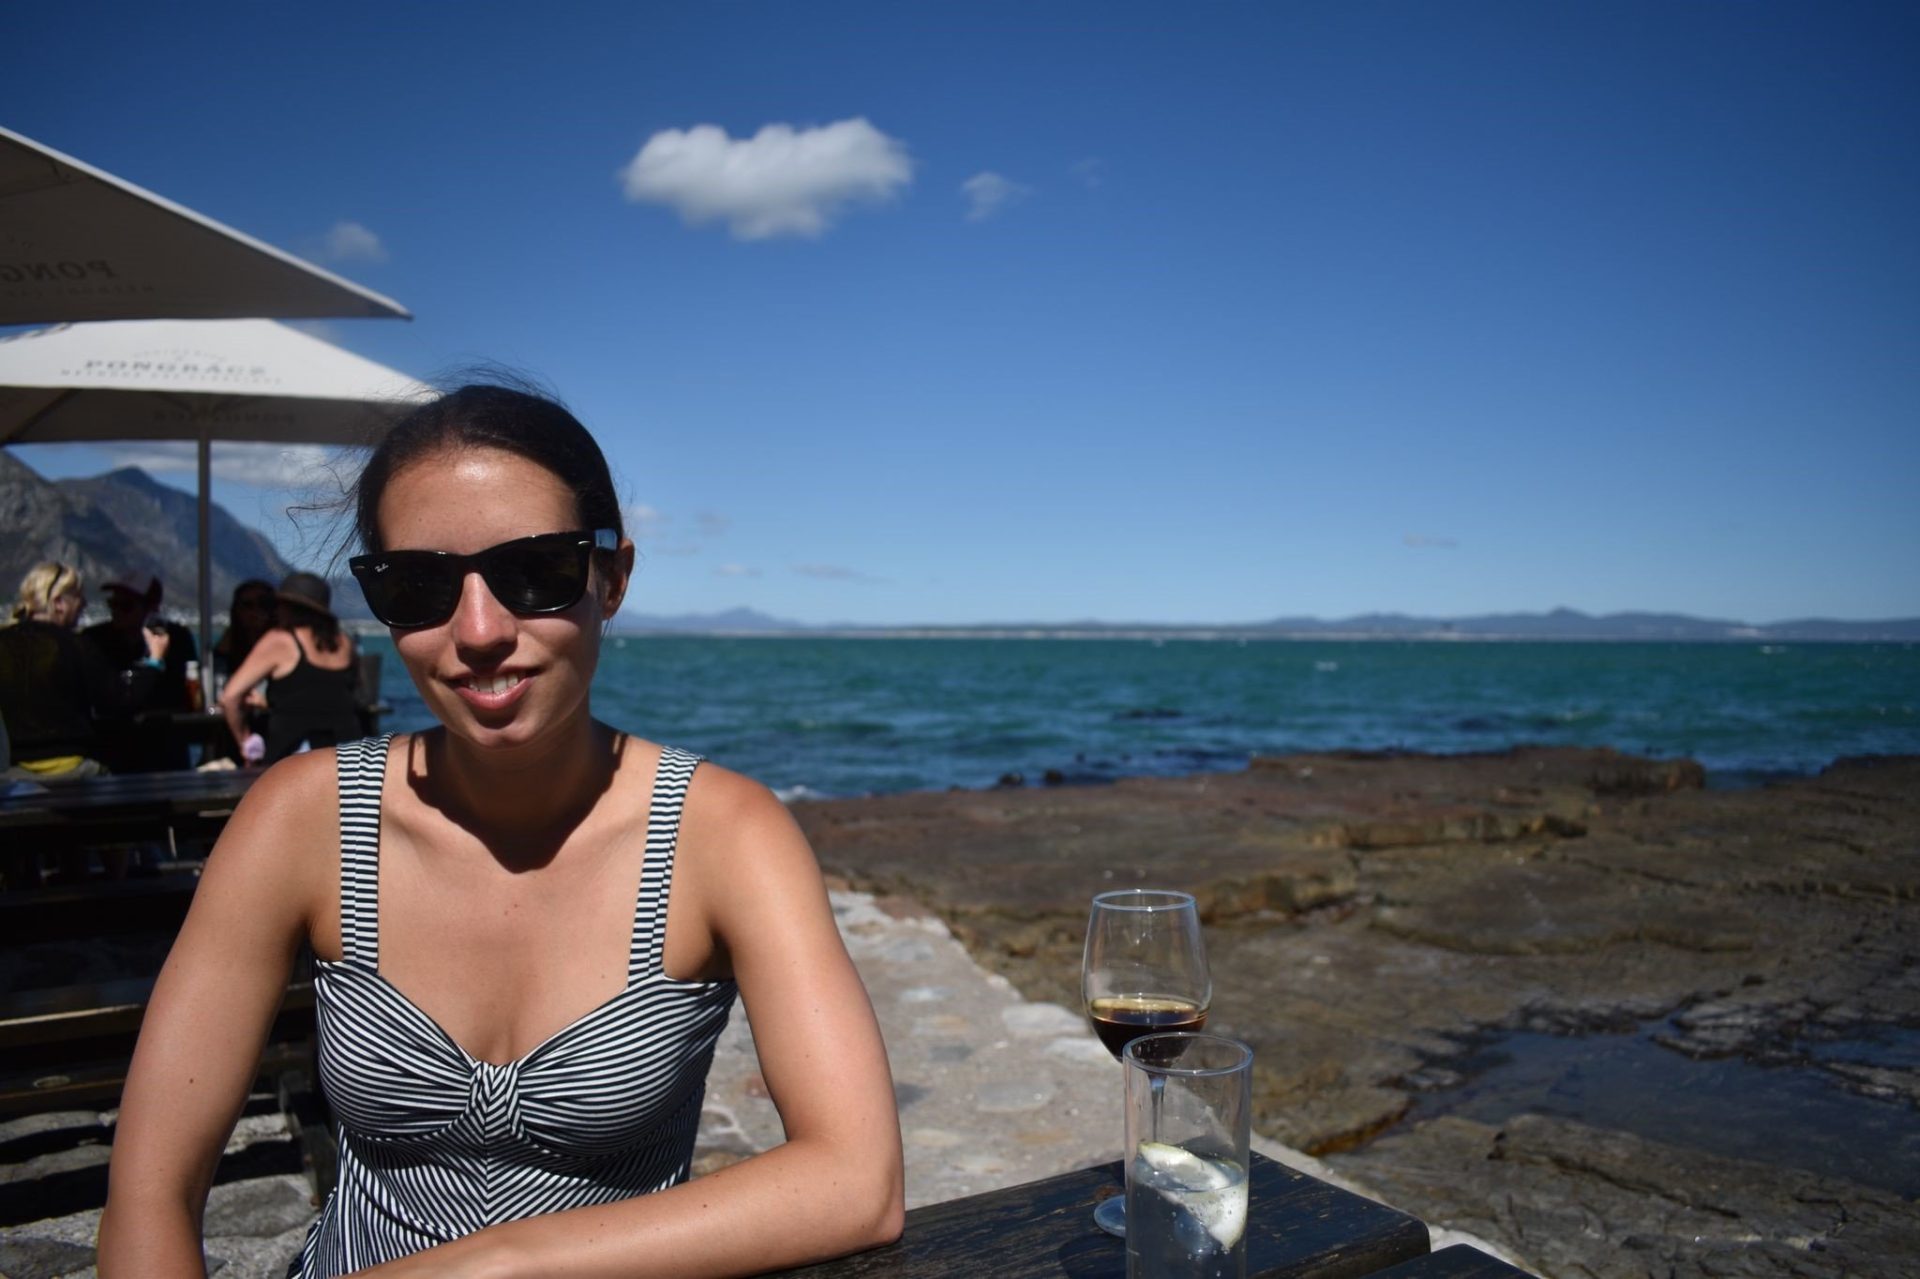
490,683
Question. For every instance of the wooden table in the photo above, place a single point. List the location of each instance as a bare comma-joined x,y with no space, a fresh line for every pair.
125,807
1298,1227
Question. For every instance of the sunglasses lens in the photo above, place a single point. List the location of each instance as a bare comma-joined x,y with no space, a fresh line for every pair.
540,575
410,589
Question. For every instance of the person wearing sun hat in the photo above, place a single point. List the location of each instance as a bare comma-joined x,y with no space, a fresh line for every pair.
307,664
143,741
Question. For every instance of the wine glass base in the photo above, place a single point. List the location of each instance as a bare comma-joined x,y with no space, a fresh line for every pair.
1111,1215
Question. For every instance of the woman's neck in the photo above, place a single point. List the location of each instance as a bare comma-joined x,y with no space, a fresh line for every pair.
520,800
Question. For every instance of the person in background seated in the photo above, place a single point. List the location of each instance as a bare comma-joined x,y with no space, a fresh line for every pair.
308,664
138,738
529,927
52,685
249,616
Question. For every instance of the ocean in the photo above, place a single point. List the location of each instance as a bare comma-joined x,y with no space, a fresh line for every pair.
829,717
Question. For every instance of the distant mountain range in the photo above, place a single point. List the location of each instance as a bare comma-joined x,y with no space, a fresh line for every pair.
127,526
1560,624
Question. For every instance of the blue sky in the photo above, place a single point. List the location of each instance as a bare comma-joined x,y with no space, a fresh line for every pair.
1178,313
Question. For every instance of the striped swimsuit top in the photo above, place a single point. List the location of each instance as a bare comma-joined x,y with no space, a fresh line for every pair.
435,1143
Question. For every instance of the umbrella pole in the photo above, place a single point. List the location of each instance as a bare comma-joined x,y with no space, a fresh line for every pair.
206,558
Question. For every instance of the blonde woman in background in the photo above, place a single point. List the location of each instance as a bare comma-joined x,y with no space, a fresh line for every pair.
52,687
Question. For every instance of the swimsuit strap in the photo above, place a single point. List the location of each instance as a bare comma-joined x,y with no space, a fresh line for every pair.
362,767
670,779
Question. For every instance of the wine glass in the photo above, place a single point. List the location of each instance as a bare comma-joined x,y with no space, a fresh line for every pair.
1144,971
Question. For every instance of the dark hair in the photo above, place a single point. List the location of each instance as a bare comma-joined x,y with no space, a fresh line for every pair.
488,416
325,626
254,585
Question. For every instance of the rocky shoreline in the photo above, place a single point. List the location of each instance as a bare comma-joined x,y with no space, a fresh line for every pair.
1373,919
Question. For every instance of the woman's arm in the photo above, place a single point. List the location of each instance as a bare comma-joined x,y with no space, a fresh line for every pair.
208,1018
836,1186
273,655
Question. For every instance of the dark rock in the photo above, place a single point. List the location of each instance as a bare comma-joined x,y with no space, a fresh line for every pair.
24,1256
1585,1201
261,1207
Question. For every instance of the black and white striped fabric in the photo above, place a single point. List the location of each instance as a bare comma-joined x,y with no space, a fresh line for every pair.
434,1143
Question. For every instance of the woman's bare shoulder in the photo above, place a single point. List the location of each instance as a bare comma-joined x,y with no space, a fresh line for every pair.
279,852
293,793
723,803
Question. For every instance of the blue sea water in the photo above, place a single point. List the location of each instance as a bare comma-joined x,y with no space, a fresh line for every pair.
842,716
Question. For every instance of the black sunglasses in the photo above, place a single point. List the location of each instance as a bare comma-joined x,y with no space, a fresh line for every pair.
546,573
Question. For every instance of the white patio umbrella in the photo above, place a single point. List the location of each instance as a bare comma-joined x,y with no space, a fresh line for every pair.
77,243
200,380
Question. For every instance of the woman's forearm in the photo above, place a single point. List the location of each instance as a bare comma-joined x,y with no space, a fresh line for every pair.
152,1240
797,1203
232,708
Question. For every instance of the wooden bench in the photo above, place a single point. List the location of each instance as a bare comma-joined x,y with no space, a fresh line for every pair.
68,1047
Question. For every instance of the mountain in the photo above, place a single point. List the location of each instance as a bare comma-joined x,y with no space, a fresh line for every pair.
1559,624
734,621
1570,624
124,526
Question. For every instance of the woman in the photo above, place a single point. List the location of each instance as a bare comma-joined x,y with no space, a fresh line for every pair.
308,666
544,925
53,690
250,615
52,685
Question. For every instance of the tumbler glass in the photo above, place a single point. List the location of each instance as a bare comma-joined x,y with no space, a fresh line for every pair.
1189,1102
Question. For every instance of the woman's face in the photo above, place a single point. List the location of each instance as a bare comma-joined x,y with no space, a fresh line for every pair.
493,677
253,610
65,608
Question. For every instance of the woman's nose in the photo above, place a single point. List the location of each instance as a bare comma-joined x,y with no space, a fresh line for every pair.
479,620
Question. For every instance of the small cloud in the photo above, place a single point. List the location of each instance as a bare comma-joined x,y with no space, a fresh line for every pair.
833,573
1423,542
734,570
351,242
988,193
781,181
278,466
711,523
643,520
1091,172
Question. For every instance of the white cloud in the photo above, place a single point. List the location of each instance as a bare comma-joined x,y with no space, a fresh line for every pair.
711,523
988,193
351,242
833,573
643,520
1092,171
781,181
734,570
274,466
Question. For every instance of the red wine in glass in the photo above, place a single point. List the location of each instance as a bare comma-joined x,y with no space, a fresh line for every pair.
1144,971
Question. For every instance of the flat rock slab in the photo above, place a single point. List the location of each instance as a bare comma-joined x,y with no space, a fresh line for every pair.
1591,1202
1370,919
